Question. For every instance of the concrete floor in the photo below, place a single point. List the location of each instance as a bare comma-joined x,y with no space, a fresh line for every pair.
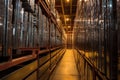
66,69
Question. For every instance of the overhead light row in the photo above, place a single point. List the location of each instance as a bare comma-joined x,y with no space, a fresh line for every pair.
84,0
67,26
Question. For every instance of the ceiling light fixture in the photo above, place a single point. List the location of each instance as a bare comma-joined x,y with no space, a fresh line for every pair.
68,0
69,26
67,19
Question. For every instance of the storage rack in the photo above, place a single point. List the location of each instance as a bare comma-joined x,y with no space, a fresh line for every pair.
29,33
94,31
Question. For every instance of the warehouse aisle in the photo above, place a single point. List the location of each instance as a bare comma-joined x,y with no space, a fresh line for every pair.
66,69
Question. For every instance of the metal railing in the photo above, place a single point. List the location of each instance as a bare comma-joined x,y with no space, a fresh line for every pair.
96,73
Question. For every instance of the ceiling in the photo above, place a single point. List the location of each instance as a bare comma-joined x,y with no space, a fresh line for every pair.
67,12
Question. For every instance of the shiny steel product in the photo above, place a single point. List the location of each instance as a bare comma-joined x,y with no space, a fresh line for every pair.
95,34
24,24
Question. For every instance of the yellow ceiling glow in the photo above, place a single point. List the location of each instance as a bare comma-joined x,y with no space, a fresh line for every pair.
68,0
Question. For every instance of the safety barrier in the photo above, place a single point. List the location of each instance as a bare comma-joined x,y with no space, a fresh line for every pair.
87,68
40,68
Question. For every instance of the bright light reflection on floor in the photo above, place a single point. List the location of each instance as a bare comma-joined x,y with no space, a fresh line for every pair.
66,70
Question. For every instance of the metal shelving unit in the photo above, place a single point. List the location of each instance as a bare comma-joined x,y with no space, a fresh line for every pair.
29,31
95,35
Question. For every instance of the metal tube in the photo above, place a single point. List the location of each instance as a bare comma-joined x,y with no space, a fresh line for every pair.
113,42
5,29
49,39
105,40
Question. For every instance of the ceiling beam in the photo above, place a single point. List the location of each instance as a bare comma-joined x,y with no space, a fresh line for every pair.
67,24
61,6
71,7
63,10
70,12
72,15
